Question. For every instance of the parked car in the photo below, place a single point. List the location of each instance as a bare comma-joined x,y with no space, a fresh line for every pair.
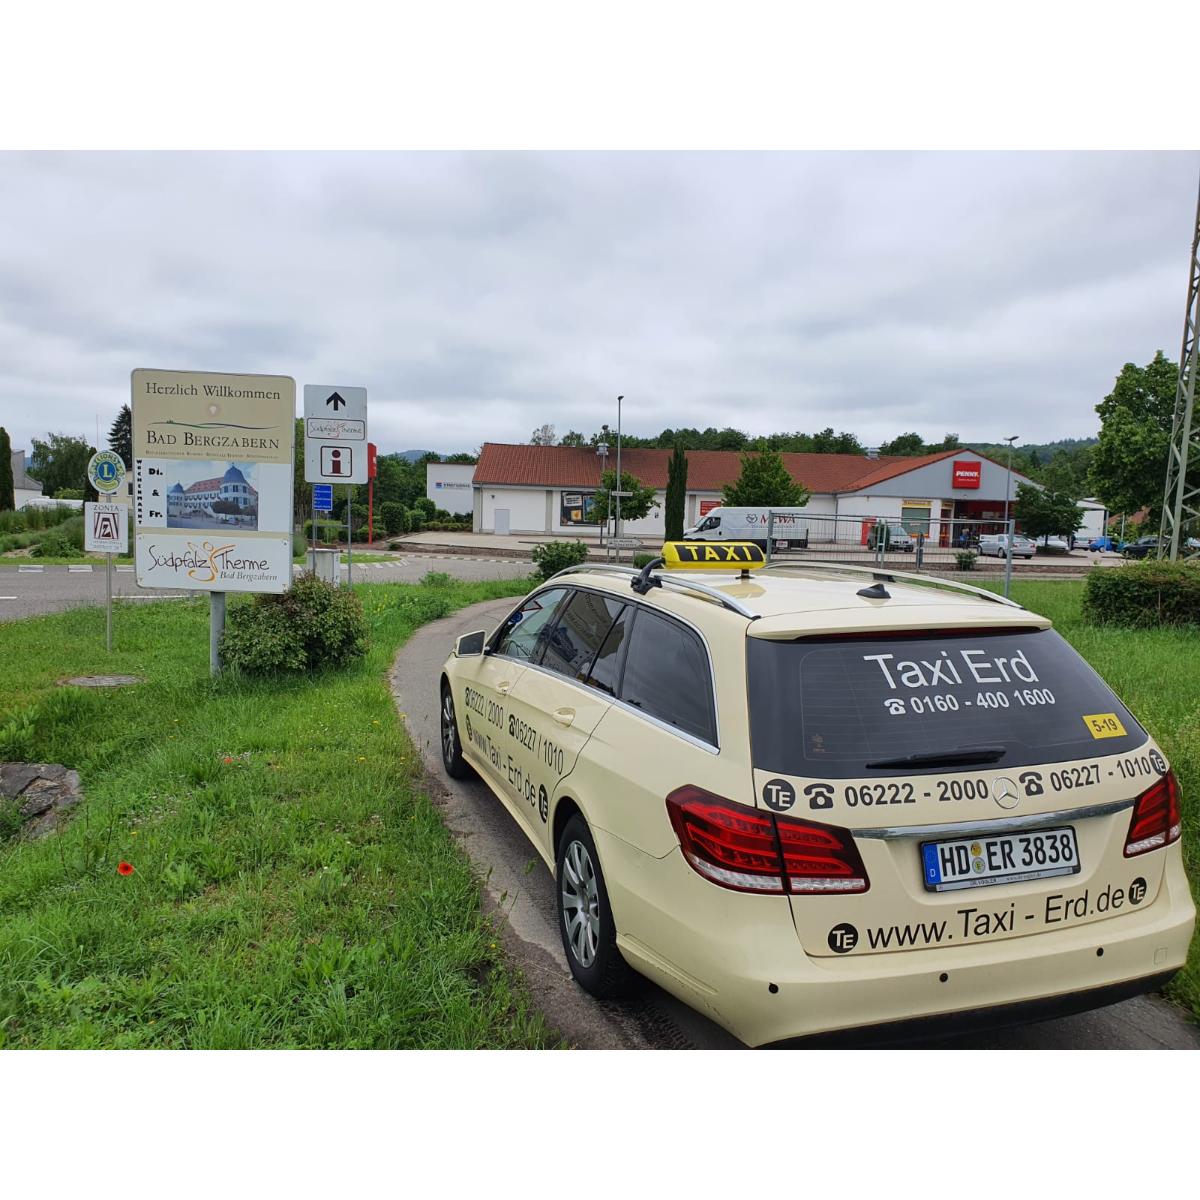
797,803
1144,547
893,537
997,544
1054,545
1102,543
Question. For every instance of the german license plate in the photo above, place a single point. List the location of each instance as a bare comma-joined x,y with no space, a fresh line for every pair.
1002,858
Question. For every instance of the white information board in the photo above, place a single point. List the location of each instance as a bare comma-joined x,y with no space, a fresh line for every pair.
335,434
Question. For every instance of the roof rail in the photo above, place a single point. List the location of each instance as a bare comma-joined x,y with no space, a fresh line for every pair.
686,585
888,575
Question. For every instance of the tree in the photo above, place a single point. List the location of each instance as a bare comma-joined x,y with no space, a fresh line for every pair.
461,457
542,436
1129,463
906,443
572,438
677,470
8,497
301,491
633,507
60,462
1044,513
765,482
120,436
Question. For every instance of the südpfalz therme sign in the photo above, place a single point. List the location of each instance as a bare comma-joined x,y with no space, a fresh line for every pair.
967,474
213,459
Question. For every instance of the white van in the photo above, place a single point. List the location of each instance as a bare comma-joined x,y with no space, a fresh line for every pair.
789,528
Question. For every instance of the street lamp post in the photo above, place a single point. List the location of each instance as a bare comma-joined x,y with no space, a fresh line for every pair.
619,399
1008,481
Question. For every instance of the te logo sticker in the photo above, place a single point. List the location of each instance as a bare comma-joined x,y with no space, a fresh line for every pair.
778,795
843,938
1137,891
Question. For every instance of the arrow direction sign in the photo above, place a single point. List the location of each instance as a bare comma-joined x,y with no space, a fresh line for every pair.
335,446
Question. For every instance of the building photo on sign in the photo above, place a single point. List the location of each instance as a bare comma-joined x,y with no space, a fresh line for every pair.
210,495
213,467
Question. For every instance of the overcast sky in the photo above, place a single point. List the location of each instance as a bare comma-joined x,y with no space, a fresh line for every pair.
477,296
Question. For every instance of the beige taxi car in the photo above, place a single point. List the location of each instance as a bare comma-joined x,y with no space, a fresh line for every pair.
807,800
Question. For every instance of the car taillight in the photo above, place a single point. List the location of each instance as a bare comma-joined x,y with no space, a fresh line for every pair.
751,851
1156,820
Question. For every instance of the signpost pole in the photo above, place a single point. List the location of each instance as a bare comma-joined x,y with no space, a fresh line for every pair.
370,512
108,591
349,536
216,627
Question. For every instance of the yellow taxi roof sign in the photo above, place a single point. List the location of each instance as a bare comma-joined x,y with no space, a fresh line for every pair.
712,556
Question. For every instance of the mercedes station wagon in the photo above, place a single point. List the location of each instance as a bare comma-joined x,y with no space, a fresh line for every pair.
817,798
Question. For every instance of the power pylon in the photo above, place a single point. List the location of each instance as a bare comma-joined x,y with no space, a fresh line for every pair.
1181,498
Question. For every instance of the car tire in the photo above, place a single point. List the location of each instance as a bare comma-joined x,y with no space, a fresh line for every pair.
585,921
455,765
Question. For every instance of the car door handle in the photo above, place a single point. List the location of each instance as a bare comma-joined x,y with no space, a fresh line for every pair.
564,716
502,688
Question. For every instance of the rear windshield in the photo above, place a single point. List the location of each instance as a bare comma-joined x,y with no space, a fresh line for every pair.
830,707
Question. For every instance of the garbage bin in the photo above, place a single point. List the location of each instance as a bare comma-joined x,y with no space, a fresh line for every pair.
326,564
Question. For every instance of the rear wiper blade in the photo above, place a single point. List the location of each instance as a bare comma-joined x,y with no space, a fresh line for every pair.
940,758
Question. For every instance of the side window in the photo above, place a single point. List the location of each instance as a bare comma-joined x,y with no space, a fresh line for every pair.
712,523
667,676
519,637
579,632
606,670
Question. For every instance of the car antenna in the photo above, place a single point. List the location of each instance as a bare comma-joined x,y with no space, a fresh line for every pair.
876,591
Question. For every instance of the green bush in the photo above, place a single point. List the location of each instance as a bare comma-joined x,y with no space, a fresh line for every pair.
426,507
965,560
53,545
552,557
1146,594
311,625
416,520
327,531
394,517
642,559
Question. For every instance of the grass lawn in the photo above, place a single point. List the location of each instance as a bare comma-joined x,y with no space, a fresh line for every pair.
1156,672
292,885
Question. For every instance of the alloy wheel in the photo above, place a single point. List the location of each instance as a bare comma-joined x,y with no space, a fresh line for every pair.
580,903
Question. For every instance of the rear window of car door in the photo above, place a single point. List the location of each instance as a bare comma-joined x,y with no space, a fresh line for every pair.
579,632
667,676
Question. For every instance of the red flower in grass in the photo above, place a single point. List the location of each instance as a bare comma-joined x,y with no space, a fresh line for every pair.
124,868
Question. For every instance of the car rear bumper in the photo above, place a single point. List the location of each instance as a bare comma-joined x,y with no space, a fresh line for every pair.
736,958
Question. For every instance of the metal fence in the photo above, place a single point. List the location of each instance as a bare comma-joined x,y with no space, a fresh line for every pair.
942,545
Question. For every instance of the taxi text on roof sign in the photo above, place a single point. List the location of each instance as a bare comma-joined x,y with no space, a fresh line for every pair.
712,556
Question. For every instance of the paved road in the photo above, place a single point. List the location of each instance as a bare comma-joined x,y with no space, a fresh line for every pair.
519,885
30,592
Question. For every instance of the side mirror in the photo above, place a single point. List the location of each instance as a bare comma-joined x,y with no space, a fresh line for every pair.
470,644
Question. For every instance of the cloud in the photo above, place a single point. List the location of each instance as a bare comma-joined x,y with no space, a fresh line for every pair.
479,295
